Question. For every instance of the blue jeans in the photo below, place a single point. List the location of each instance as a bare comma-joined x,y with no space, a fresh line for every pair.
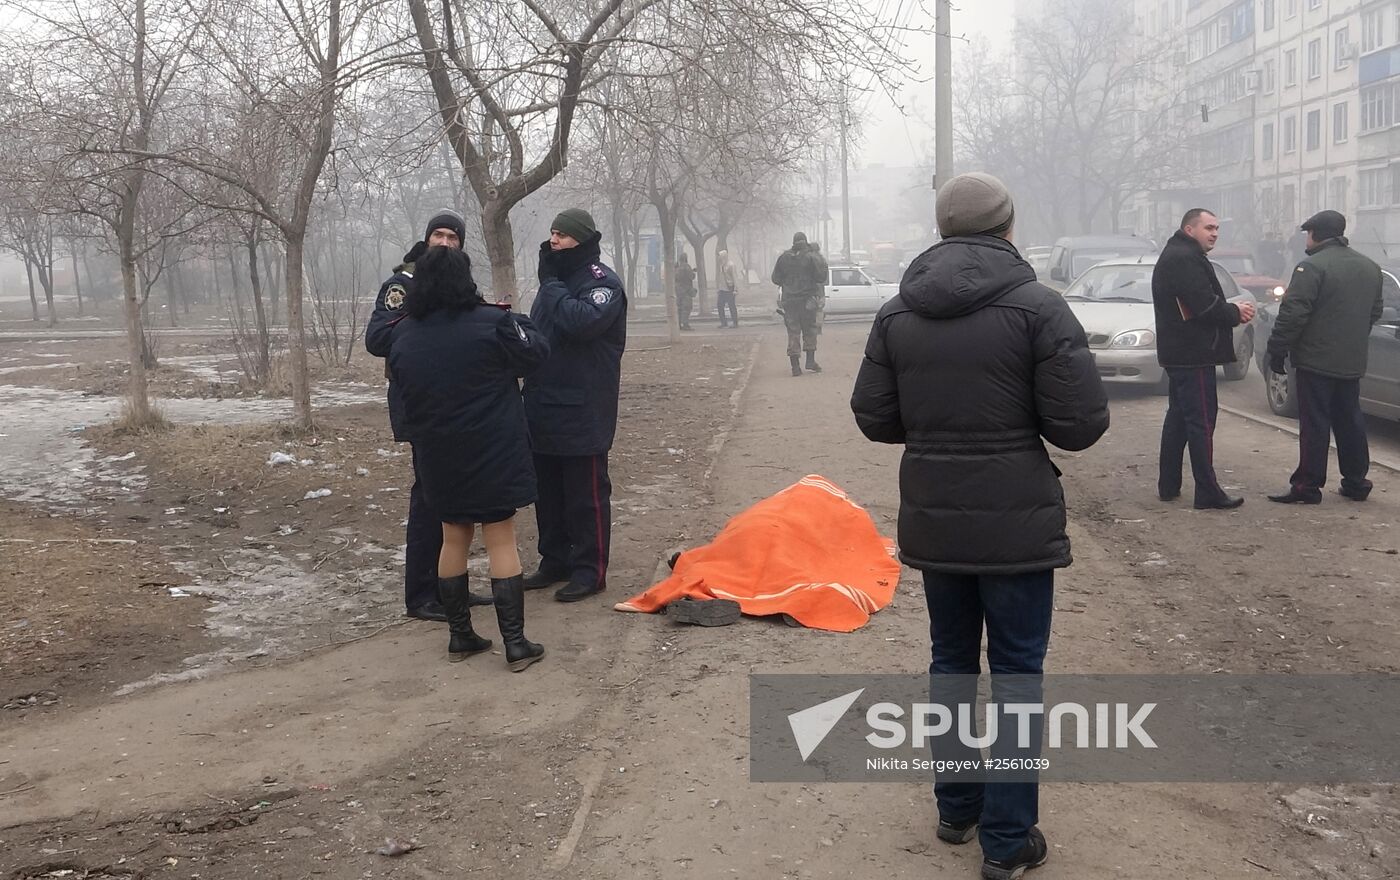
1016,609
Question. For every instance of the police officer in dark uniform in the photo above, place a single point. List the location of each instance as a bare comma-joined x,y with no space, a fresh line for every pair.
571,406
1324,325
423,539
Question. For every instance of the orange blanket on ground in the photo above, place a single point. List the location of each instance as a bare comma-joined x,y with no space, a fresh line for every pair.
809,552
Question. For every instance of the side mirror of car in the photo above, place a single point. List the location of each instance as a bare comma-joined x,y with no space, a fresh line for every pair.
1057,274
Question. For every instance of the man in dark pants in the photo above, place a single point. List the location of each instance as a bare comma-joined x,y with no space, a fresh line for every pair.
1195,333
972,367
423,534
800,274
1324,322
571,405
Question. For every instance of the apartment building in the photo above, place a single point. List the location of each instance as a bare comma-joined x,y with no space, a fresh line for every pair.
1293,106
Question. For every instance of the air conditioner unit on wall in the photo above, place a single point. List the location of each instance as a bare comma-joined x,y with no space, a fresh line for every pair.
1347,52
1252,79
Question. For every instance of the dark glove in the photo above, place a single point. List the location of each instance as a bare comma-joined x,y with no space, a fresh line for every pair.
1277,364
547,272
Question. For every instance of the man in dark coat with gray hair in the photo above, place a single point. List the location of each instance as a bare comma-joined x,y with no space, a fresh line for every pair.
972,367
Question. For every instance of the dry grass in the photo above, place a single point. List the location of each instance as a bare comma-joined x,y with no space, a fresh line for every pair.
129,424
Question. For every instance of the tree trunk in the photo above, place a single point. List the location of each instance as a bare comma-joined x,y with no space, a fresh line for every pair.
33,297
264,352
500,250
77,282
138,388
296,330
182,290
666,220
46,282
171,305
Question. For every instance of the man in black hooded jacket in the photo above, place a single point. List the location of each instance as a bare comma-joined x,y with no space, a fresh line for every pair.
1195,333
970,366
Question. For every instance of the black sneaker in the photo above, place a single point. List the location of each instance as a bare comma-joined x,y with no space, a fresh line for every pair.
957,832
1034,853
704,612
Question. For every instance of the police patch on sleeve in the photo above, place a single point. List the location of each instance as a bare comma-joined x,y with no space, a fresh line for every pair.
600,296
393,297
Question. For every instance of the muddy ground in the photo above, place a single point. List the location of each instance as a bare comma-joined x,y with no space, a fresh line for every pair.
233,693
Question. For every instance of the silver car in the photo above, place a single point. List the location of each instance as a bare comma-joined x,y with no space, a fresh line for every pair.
1113,302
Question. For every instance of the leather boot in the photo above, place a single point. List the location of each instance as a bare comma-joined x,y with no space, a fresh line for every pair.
509,594
464,641
812,366
796,365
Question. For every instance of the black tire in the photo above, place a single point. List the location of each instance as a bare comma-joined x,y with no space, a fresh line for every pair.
1278,391
1243,355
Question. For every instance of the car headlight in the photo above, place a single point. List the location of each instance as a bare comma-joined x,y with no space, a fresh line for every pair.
1134,339
1277,292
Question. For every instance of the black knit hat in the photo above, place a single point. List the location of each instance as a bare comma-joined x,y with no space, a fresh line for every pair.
576,223
448,219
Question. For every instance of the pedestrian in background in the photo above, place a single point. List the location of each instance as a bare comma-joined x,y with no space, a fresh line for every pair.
1195,333
423,534
1324,322
972,367
728,291
800,274
457,363
685,291
571,404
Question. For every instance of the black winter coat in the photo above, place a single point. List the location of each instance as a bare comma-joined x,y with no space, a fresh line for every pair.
458,376
388,308
582,309
969,367
1195,323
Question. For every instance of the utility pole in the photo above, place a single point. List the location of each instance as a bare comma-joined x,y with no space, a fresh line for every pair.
845,184
825,224
943,94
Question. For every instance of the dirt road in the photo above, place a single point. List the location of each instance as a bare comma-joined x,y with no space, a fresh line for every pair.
624,754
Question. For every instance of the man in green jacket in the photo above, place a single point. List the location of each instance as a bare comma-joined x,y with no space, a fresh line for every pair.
1323,326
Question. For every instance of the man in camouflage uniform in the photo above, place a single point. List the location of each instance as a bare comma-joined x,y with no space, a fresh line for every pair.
800,274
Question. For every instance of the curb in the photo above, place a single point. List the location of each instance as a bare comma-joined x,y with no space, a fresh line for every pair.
1288,428
736,399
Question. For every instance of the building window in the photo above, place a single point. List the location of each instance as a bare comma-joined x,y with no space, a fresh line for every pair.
1267,139
1290,134
1288,201
1314,130
1314,4
1312,194
1339,123
1372,30
1314,58
1290,68
1341,49
1270,76
1395,184
1371,187
1290,8
1269,6
1337,194
1378,106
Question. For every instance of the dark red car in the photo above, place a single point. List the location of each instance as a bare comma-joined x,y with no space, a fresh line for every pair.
1240,264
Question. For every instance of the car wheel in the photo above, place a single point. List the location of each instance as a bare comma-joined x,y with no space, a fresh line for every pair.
1278,387
1240,368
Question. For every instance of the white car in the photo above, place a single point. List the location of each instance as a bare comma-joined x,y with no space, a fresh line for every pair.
1113,302
851,290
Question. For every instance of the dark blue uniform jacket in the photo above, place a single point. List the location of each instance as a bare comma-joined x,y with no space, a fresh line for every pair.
571,402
